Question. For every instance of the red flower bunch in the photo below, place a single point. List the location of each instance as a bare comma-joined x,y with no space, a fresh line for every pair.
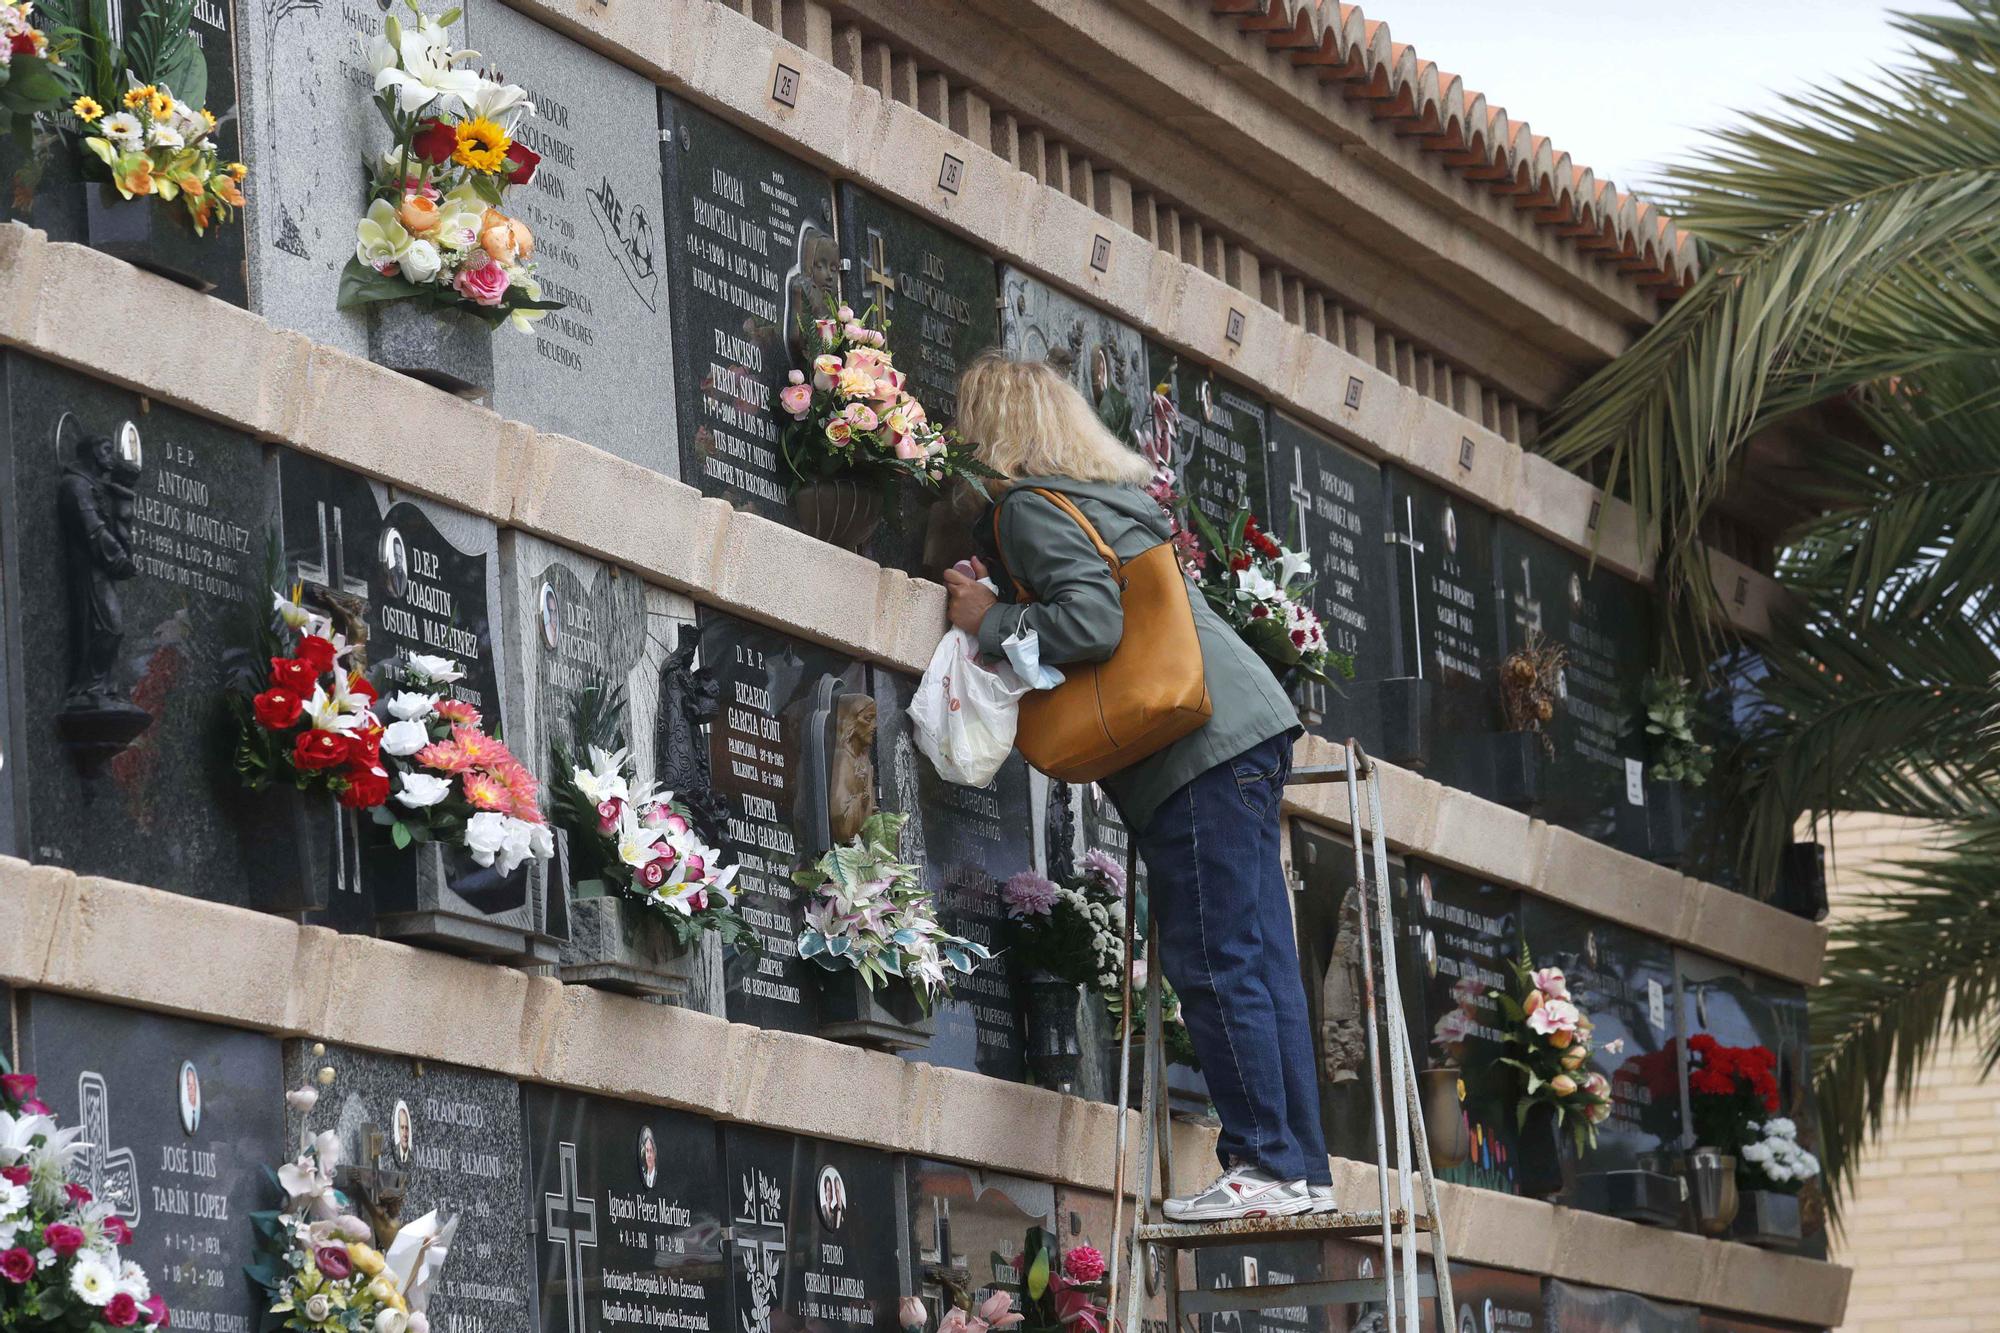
1260,540
1730,1090
309,717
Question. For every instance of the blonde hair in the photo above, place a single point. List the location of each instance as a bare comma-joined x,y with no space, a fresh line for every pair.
1024,419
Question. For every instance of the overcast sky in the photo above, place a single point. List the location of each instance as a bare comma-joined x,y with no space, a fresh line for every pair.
1623,85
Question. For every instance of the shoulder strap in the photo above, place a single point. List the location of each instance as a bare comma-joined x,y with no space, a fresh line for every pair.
1064,503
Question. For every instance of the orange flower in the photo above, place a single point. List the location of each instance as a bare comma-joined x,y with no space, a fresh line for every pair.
480,750
483,792
227,191
137,175
419,213
444,756
496,237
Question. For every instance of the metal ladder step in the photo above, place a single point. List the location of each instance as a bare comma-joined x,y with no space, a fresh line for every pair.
1286,1295
1248,1230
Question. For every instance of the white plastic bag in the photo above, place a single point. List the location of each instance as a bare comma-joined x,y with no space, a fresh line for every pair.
964,713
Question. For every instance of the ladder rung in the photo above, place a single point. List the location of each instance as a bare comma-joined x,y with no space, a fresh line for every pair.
1284,1295
1312,773
1195,1235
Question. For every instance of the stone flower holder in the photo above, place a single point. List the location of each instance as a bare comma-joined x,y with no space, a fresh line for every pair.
1538,1161
619,944
293,840
885,1019
1649,1196
1668,820
147,234
1712,1190
447,348
1055,1046
438,897
1519,766
1768,1219
1406,705
846,514
1187,1090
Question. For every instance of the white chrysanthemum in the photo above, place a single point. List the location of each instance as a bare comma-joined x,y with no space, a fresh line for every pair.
92,1280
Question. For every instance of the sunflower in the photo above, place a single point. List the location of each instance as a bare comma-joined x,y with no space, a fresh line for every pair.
160,105
482,145
86,109
138,97
236,171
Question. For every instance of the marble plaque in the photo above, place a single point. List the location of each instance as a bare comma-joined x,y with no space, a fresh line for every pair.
1104,359
1570,1307
967,841
626,1216
454,1137
595,370
1603,622
1220,1268
817,1233
968,1227
120,647
185,1120
750,253
1221,438
792,753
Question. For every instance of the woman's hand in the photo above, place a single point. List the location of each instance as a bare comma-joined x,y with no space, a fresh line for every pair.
968,602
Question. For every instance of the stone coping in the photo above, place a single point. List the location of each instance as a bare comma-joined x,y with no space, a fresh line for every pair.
56,301
141,947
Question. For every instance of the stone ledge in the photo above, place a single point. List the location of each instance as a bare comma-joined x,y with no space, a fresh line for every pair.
131,945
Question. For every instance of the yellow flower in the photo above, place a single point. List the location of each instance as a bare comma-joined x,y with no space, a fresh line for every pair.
365,1258
138,97
237,171
208,117
86,109
160,106
482,145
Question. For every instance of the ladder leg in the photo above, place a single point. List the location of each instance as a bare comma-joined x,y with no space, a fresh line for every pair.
1375,1085
1400,1075
1118,1245
1153,1096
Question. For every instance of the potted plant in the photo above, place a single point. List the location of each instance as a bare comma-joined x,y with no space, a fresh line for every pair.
1065,937
645,888
134,125
870,921
60,1266
854,433
1772,1170
1548,1048
437,265
1680,761
1531,692
1731,1091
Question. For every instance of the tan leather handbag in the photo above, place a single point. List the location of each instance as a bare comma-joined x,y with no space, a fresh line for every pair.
1149,693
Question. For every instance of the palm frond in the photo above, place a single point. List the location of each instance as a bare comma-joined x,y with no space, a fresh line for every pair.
160,48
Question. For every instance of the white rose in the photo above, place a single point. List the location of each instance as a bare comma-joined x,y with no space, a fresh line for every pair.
422,790
392,1321
485,836
318,1307
422,263
403,739
404,706
436,670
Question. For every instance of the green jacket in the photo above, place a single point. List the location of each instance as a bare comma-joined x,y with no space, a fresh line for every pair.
1079,619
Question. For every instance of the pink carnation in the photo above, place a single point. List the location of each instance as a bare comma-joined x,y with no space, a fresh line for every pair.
1083,1263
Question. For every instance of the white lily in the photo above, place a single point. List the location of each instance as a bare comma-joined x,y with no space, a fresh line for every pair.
1291,566
18,1134
328,714
505,104
423,69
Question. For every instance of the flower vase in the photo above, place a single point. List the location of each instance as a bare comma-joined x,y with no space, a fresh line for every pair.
1667,823
1519,766
439,897
1406,706
844,513
446,348
1712,1190
619,944
1767,1219
292,843
1539,1157
888,1018
148,234
1445,1130
1055,1046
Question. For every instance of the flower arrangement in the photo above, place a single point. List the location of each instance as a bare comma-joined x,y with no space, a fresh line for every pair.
1548,1044
1259,586
995,1313
1773,1159
312,723
1733,1095
452,780
1531,685
30,82
59,1262
315,1260
638,841
1062,1291
1670,707
852,416
434,231
136,105
870,914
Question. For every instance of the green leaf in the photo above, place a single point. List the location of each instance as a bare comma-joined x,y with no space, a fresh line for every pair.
1037,1281
361,285
399,833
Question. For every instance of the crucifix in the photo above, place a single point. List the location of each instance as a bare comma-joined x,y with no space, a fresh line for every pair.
344,597
875,272
1302,500
573,1237
111,1174
377,1189
1407,539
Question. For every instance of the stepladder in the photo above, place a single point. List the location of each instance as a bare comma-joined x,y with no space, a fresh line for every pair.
1401,1217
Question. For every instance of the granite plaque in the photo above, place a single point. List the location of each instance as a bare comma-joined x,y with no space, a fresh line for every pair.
1220,1268
1104,359
596,369
1443,606
1084,1218
939,298
1489,1300
750,253
184,1120
1603,624
1221,439
626,1207
967,841
817,1230
1466,936
1325,502
449,1139
792,753
968,1227
1569,1307
133,573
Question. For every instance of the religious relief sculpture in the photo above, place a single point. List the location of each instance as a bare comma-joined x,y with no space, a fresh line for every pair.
377,1185
95,509
1059,833
850,796
689,701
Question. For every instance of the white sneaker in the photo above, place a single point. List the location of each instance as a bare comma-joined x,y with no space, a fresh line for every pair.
1322,1199
1241,1191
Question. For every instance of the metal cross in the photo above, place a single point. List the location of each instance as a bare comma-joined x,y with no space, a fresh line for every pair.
331,571
111,1174
1407,539
875,272
1302,498
573,1239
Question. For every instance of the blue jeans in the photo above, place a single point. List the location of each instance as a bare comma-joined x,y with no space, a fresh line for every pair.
1217,888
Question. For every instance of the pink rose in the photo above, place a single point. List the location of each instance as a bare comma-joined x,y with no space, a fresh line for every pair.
121,1311
20,1087
485,285
860,416
696,867
827,329
17,1265
674,824
838,431
824,369
796,399
63,1238
844,313
908,448
653,874
1551,982
607,814
698,900
855,333
156,1311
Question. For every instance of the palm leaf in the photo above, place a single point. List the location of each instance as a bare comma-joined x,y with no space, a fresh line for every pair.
160,48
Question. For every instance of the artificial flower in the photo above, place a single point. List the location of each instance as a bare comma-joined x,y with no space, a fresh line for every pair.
435,141
420,791
86,109
421,262
381,240
482,145
484,284
418,213
418,66
367,787
319,749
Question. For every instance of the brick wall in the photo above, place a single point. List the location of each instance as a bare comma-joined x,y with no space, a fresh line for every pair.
1922,1230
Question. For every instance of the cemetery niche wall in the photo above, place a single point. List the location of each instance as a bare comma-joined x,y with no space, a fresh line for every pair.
1103,358
968,1228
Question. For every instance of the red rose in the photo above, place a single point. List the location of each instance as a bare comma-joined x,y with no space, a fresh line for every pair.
653,874
156,1312
366,788
63,1238
333,1261
317,650
121,1311
277,709
16,1175
36,1106
17,1265
521,163
358,684
77,1193
294,674
117,1230
18,1087
434,141
364,747
317,749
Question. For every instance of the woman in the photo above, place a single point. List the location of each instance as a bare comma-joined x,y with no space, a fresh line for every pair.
1205,809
